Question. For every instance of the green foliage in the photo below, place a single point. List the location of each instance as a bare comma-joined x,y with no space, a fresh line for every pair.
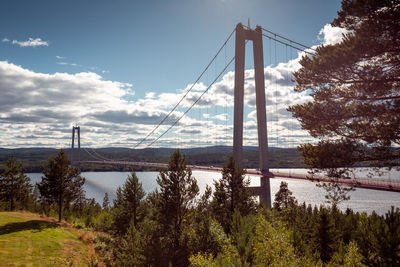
353,257
242,233
202,260
332,158
103,221
106,202
34,158
173,227
155,246
129,250
61,183
128,206
228,257
103,245
354,83
388,238
178,190
272,246
335,193
14,184
348,256
231,193
203,234
355,90
324,236
284,198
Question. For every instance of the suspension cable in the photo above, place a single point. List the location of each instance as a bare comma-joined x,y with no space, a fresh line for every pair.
194,103
190,89
287,39
92,155
304,49
292,46
95,152
206,68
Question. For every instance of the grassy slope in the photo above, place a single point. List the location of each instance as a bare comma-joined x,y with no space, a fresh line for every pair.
26,239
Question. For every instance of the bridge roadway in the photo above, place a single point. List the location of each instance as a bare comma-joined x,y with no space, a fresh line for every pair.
361,183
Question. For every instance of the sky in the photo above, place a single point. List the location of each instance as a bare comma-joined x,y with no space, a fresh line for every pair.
116,69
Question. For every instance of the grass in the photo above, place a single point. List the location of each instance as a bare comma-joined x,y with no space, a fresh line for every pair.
27,239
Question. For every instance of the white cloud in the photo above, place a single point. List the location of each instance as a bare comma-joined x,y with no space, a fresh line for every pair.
5,40
39,109
221,117
31,42
331,35
67,64
150,95
60,57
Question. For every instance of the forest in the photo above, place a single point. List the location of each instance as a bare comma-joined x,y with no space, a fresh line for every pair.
34,158
225,226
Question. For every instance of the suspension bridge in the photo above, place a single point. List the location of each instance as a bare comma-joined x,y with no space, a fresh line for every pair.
181,115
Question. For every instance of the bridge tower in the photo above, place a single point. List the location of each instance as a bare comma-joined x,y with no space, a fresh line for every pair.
242,35
78,130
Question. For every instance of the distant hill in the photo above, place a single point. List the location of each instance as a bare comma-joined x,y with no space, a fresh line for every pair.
34,158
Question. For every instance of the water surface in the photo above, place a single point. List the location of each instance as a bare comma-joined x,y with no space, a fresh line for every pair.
362,200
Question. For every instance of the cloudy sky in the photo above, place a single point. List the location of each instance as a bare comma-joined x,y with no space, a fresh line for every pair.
116,68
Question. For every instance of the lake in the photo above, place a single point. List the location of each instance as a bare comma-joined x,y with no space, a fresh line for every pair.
362,200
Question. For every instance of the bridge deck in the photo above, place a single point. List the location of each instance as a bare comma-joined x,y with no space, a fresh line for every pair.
362,183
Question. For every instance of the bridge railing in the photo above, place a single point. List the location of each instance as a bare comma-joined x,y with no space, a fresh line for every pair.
362,183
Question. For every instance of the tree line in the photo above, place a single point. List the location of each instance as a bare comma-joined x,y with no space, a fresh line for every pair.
61,187
34,158
225,226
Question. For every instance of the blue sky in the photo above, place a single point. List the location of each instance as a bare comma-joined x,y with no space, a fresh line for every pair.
133,50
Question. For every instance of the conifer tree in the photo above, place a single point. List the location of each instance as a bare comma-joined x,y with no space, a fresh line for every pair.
61,182
284,198
106,202
128,203
231,193
388,238
324,236
133,194
355,88
14,184
178,189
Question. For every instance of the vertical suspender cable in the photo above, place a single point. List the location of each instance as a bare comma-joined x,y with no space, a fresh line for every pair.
276,101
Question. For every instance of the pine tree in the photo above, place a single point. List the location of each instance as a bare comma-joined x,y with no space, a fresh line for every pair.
284,198
231,193
355,85
128,203
388,237
14,184
61,182
324,236
133,194
106,202
178,189
242,233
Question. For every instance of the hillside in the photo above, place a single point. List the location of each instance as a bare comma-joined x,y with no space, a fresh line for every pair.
27,239
34,158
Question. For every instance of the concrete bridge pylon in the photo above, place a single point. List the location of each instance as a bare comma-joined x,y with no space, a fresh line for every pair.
264,190
76,129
